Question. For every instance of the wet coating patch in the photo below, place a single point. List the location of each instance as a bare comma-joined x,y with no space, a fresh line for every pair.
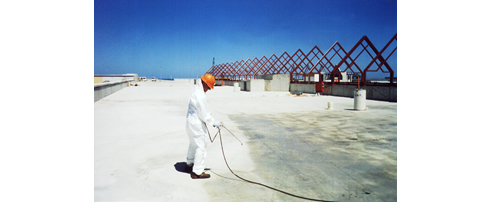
341,156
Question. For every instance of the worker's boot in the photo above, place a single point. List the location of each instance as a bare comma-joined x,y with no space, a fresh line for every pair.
188,168
201,176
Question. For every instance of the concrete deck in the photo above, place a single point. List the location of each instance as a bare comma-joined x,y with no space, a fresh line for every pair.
292,143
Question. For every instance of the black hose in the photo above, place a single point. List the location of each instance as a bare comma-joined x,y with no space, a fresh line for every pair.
272,188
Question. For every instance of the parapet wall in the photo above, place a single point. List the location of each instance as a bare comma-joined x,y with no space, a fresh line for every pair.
278,82
281,82
255,85
381,93
102,90
115,78
304,88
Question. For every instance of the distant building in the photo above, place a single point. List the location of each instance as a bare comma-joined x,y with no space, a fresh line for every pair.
116,78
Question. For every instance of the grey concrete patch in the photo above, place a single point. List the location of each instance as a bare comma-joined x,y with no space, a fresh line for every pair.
341,156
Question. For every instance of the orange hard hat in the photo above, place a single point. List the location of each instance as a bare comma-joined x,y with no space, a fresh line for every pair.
209,80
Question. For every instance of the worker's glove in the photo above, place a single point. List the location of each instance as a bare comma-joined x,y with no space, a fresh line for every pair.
217,124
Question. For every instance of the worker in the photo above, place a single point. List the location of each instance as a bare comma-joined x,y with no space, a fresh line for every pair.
196,120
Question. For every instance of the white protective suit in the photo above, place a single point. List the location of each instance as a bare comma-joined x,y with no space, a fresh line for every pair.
196,120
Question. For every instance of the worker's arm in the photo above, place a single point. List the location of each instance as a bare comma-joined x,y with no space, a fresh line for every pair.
202,110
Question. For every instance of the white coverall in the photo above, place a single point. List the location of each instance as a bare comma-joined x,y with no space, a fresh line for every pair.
196,120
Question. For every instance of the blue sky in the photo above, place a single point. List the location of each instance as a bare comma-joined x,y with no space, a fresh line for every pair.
181,38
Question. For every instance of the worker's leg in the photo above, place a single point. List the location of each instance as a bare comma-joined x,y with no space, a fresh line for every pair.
200,154
190,158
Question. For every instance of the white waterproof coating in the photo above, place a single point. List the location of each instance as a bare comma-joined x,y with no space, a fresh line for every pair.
196,120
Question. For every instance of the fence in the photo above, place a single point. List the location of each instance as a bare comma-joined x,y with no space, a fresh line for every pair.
301,65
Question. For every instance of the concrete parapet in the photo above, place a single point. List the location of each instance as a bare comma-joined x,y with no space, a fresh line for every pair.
305,88
393,94
268,85
219,82
343,90
381,93
102,90
115,78
278,82
236,87
255,85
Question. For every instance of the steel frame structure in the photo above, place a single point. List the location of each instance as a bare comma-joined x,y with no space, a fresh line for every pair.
299,65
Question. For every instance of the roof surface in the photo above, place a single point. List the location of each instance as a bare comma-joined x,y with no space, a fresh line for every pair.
292,143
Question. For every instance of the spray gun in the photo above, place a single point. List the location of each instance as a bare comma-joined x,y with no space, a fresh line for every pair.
222,126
